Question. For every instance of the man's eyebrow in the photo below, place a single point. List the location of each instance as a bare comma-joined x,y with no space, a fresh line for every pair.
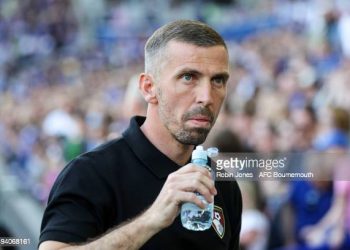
188,71
224,75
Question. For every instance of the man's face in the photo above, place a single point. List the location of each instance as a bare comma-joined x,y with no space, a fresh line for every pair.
190,89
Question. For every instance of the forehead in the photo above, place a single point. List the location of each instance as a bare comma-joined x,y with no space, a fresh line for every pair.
180,54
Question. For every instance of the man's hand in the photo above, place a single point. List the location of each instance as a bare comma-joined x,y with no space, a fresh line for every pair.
179,188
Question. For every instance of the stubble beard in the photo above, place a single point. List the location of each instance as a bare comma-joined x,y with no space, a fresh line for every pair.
178,130
191,136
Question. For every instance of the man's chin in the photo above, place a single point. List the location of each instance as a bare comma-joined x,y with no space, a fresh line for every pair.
194,136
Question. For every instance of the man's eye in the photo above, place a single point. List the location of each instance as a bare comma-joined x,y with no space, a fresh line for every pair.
187,77
219,81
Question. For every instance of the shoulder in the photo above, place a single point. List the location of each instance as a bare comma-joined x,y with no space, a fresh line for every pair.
94,167
101,157
107,152
84,195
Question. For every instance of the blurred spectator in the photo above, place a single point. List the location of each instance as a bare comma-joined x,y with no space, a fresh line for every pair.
255,224
333,229
333,129
228,142
344,33
304,125
309,202
133,102
308,212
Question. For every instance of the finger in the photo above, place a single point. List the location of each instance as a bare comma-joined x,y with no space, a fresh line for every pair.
205,180
182,197
192,168
189,168
189,181
193,185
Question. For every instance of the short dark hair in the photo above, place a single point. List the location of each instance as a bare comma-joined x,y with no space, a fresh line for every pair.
187,31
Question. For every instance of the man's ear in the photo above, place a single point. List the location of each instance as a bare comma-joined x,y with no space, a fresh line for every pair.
148,88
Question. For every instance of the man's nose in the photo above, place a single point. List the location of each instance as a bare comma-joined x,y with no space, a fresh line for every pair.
204,93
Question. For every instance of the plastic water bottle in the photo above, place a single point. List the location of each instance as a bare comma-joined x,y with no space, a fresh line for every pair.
193,217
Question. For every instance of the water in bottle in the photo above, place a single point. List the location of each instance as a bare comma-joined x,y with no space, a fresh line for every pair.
193,217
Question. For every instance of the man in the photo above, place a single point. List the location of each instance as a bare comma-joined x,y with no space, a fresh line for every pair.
127,193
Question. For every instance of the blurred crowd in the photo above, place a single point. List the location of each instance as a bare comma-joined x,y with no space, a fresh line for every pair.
68,82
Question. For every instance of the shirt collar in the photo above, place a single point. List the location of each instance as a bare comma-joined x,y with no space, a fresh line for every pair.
158,163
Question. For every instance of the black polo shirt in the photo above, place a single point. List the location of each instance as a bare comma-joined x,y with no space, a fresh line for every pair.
116,182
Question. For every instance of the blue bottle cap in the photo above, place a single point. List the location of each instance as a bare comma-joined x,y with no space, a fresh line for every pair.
200,153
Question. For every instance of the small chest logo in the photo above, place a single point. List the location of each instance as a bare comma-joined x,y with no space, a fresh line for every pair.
219,221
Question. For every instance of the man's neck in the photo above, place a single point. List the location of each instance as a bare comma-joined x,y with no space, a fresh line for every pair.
165,143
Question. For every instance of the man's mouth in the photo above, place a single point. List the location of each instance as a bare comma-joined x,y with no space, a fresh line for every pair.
200,120
200,117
